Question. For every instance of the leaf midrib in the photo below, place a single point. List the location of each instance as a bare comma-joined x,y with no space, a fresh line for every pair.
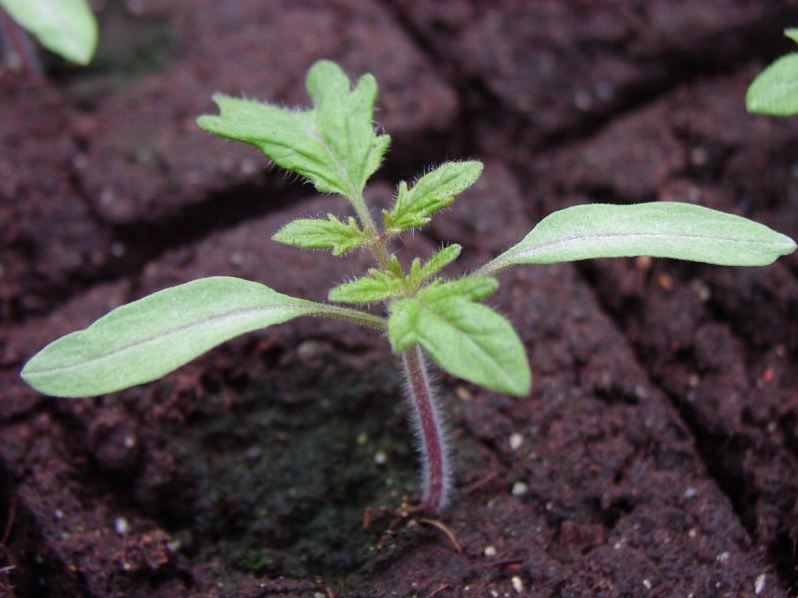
564,241
231,315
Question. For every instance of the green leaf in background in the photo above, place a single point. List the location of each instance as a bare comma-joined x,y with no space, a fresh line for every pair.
775,90
146,339
375,286
313,233
467,339
66,27
659,229
334,144
431,193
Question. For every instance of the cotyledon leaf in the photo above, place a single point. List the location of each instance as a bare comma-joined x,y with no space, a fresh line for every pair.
146,339
66,27
658,229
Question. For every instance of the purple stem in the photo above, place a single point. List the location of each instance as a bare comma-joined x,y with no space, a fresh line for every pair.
432,441
19,46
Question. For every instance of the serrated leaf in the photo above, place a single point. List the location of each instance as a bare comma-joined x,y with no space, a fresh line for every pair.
374,287
436,263
315,233
146,339
775,90
467,339
658,229
334,144
66,27
431,193
473,288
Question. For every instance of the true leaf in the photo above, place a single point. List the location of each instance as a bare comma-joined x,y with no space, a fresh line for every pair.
313,233
658,229
436,263
467,339
376,286
775,90
144,340
431,193
66,27
473,288
334,144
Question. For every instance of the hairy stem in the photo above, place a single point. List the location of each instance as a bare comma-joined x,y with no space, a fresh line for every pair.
432,442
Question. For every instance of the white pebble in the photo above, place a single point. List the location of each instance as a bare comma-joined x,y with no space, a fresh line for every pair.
489,551
519,489
380,458
689,493
723,557
518,584
759,584
647,583
516,440
121,526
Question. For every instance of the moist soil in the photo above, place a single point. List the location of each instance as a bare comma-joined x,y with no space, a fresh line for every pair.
656,454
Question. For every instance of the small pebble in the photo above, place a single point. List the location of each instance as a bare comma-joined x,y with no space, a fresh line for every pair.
723,557
518,584
759,584
362,439
380,458
121,526
516,440
489,551
519,489
690,493
647,583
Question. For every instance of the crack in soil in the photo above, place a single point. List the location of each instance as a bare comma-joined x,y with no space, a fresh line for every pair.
720,453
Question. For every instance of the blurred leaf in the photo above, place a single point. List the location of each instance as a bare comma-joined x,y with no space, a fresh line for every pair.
66,27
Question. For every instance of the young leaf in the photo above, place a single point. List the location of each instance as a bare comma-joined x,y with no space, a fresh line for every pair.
467,339
66,27
792,33
659,229
144,340
334,144
431,193
376,286
473,288
775,90
313,233
435,264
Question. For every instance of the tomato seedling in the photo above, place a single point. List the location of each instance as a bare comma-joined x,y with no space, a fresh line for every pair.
335,146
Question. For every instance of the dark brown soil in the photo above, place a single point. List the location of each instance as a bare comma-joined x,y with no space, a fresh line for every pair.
657,452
